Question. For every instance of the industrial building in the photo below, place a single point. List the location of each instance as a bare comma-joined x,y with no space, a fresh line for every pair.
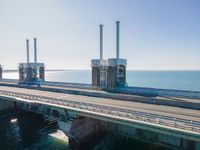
31,72
109,73
1,72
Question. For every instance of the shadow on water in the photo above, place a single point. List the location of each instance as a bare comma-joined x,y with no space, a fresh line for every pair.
130,144
113,141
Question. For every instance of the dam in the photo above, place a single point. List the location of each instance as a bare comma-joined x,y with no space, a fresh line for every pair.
86,111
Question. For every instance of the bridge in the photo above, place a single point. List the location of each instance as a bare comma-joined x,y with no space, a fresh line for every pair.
125,109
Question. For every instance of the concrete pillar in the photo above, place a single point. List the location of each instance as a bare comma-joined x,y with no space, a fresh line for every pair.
35,50
21,74
95,76
117,39
99,72
27,51
42,73
84,131
101,41
116,73
29,74
1,72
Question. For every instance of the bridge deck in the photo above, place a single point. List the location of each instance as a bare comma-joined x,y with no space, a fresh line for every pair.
87,89
176,112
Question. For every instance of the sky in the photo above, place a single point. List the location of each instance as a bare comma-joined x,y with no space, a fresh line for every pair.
154,34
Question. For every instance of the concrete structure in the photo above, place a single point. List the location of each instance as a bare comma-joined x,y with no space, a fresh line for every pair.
109,73
31,72
116,72
84,118
1,72
99,66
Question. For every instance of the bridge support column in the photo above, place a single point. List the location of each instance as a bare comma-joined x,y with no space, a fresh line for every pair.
84,132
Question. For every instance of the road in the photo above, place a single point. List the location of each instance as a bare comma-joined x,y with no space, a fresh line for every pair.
176,112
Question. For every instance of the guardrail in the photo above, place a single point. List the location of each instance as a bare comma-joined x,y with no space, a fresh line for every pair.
108,110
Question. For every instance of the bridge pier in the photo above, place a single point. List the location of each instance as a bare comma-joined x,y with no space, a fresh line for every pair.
85,132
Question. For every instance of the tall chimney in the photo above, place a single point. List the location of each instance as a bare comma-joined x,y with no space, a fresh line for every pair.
117,39
27,51
101,41
35,50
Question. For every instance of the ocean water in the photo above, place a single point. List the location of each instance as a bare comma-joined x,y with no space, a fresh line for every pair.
181,80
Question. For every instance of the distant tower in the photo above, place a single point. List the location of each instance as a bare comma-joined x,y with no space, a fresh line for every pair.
116,71
99,66
31,72
1,72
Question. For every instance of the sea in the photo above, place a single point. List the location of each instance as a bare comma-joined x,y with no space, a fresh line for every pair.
27,132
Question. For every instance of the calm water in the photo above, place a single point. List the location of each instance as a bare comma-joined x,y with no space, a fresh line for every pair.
185,80
26,134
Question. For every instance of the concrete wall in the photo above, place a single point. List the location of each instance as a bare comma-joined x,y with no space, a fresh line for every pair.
116,76
158,92
95,76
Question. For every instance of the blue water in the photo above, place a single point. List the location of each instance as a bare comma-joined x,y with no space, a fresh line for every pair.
182,80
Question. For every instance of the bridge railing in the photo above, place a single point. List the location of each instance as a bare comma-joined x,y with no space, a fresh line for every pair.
108,110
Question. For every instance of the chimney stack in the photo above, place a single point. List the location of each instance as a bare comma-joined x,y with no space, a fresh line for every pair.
27,50
35,50
117,39
101,41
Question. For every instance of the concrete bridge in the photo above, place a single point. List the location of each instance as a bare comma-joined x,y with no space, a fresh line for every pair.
167,117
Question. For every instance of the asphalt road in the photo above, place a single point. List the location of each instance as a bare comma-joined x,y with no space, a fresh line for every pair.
177,112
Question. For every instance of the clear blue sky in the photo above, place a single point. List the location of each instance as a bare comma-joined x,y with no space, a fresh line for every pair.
155,34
